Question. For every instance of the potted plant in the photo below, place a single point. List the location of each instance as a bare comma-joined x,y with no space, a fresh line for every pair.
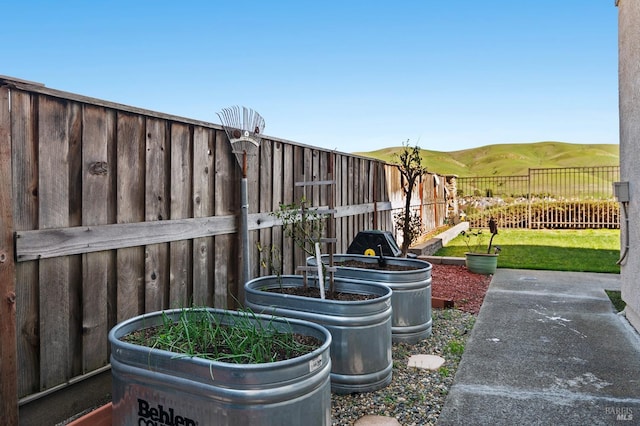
202,366
357,314
477,259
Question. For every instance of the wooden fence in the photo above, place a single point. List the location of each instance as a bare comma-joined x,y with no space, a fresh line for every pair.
567,197
109,211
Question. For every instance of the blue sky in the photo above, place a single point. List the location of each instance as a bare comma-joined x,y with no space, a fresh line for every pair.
350,75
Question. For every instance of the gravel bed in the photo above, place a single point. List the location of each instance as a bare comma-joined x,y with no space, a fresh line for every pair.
415,396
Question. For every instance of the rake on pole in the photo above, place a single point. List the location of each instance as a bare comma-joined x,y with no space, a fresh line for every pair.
243,127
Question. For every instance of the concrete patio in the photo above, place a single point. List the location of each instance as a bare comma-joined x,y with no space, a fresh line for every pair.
548,348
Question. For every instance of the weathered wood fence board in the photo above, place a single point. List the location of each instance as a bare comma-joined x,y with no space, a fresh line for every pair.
279,169
8,345
180,272
267,180
156,196
97,190
53,212
203,196
130,153
113,211
24,162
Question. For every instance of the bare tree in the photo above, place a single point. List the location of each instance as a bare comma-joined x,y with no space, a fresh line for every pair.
409,163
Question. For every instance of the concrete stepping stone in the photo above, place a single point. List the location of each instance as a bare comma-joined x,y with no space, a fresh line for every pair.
377,421
426,362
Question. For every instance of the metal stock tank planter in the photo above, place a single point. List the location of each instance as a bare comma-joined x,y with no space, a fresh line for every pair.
360,329
153,386
410,281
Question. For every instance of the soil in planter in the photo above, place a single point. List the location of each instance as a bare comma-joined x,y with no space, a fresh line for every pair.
315,292
376,266
218,349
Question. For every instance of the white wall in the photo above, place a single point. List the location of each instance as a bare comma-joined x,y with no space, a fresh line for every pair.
629,92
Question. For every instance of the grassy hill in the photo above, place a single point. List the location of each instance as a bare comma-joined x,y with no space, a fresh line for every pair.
510,159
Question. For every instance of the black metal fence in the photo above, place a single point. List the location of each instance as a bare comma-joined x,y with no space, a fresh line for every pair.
567,197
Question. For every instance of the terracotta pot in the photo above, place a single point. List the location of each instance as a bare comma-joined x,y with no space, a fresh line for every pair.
98,417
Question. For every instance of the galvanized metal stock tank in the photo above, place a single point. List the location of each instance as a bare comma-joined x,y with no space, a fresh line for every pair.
411,299
152,386
361,330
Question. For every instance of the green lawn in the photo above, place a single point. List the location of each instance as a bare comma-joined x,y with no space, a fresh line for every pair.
586,250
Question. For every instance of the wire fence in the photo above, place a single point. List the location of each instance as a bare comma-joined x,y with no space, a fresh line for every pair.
561,198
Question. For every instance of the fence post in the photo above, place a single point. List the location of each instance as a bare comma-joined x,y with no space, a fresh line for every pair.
530,200
375,193
8,346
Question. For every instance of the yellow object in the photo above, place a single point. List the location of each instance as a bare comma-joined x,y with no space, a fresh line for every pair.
369,252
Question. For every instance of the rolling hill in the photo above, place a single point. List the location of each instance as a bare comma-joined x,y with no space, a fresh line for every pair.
509,159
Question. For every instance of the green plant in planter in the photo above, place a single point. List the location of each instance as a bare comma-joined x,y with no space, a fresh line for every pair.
198,333
305,225
271,259
411,230
477,260
409,164
474,240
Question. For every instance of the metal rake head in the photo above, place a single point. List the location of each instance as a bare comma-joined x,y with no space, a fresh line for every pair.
243,127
